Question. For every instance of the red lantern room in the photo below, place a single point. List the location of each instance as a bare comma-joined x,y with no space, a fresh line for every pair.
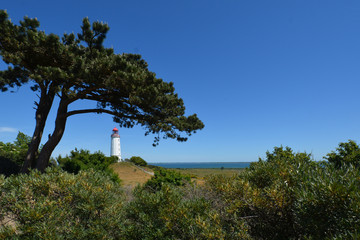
115,133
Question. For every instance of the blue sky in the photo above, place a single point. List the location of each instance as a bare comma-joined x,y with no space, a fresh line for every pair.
258,73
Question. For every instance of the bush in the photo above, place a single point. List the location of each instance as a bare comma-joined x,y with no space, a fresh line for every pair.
327,203
155,168
171,213
284,196
288,196
138,161
12,155
59,205
82,160
346,154
8,167
164,176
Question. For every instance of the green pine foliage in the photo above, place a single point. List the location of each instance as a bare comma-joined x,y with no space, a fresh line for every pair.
75,67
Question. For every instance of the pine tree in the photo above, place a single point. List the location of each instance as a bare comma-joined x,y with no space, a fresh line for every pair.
79,67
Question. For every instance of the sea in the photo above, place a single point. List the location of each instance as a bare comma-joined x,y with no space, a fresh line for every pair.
203,164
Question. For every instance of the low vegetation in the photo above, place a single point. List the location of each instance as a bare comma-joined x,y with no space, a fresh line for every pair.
138,161
202,173
286,195
130,174
164,176
12,155
82,160
60,205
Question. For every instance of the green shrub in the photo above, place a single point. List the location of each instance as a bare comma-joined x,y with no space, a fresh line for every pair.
138,161
59,205
346,154
284,196
155,168
173,213
82,160
288,196
12,155
8,167
328,202
165,176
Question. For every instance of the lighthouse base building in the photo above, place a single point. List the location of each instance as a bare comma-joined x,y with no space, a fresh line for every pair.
115,144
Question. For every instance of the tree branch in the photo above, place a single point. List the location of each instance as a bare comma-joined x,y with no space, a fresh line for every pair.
83,95
89,111
96,110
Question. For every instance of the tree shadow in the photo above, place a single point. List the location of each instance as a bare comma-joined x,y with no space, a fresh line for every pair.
8,167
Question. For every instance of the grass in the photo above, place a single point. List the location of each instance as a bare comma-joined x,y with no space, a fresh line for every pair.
130,174
201,173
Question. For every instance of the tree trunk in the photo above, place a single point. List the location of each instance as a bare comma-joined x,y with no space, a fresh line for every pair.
54,139
41,115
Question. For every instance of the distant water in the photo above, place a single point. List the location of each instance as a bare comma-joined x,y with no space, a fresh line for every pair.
203,164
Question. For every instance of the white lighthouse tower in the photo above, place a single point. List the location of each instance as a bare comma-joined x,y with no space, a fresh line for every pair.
115,144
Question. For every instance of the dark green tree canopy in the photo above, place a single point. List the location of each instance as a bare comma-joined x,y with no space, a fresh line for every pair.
12,155
138,161
79,67
347,153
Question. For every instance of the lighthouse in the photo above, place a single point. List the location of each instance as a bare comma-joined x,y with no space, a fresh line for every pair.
115,144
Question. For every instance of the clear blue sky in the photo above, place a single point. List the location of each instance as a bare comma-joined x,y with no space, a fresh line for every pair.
258,73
